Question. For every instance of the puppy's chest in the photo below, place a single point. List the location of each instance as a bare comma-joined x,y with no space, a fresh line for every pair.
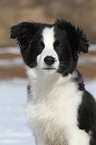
59,103
55,111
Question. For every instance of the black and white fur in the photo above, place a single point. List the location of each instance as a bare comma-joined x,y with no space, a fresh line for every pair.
59,109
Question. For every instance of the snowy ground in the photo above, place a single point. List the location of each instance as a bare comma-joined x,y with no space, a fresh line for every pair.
13,128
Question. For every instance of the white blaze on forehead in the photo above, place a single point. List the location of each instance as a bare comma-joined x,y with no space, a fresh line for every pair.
48,37
48,40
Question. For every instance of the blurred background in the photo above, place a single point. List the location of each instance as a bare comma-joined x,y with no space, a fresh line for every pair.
13,80
80,12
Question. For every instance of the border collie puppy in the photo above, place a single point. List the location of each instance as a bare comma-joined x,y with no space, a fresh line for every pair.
59,109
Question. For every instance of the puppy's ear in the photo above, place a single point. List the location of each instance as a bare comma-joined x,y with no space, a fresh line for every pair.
76,36
24,32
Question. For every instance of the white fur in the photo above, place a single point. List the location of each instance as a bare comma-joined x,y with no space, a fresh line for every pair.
48,39
53,108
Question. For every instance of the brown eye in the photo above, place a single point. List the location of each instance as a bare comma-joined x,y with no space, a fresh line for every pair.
59,47
41,46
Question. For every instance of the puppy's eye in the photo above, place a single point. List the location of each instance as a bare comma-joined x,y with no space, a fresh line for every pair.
59,47
41,46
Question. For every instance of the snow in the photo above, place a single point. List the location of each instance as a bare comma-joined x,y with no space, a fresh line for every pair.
87,60
92,47
91,87
13,128
11,62
13,50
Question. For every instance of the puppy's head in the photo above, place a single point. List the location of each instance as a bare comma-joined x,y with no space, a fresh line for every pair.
50,48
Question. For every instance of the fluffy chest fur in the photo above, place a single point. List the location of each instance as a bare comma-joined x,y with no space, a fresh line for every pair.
53,107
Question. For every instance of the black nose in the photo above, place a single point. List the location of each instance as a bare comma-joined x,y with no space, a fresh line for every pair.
49,60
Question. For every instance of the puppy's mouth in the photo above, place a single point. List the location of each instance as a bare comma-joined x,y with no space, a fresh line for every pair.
49,68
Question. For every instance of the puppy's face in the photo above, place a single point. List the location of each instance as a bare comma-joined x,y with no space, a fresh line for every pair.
48,59
50,48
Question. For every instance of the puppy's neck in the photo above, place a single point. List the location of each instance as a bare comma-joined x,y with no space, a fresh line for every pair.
40,77
42,84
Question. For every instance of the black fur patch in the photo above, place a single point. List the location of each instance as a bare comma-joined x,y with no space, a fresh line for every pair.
63,49
87,116
29,38
77,38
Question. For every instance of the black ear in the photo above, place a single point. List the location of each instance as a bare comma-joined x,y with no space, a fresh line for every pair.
76,36
24,32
